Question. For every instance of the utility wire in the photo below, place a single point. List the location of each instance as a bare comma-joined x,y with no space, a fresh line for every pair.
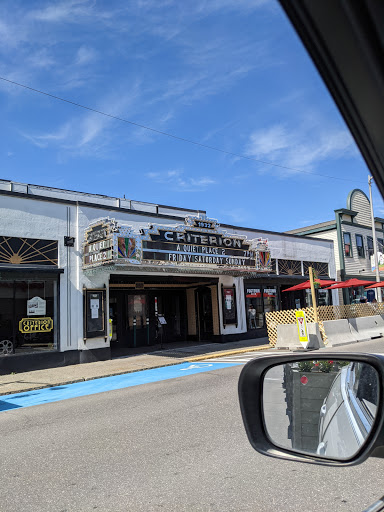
176,137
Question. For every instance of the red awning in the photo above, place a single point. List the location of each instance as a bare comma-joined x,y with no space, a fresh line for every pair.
350,283
307,284
376,285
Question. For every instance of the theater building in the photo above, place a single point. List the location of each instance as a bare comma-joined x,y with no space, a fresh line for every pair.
86,277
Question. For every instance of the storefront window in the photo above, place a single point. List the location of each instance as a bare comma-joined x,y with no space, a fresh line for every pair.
28,316
259,300
357,295
270,299
255,309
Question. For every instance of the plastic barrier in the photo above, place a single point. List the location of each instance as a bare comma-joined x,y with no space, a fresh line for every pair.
366,327
288,337
338,332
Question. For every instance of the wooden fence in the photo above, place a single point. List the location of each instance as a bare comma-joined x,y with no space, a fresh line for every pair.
275,318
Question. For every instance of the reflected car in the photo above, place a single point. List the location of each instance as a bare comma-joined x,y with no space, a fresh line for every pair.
348,411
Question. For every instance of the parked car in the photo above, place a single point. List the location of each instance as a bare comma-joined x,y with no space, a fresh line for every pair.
350,407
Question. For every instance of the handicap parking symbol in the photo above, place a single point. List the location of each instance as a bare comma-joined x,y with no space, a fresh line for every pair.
194,366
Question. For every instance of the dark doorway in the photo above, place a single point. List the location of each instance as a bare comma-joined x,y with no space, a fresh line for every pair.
204,313
134,316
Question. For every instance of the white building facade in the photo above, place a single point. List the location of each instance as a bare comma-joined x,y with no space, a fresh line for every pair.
85,277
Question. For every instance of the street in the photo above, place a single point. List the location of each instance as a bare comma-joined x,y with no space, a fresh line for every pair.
175,445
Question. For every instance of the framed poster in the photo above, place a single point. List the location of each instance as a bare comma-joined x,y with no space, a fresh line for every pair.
95,320
229,305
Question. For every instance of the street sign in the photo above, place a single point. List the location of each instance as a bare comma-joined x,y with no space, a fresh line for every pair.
302,328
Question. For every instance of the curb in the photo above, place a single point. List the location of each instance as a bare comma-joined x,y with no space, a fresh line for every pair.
209,355
228,353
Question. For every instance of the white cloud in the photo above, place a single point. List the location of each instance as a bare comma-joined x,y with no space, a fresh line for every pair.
89,132
84,55
44,140
302,147
236,215
178,181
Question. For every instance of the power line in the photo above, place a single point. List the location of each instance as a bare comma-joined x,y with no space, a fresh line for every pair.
176,137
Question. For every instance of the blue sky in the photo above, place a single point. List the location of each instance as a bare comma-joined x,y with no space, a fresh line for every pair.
226,73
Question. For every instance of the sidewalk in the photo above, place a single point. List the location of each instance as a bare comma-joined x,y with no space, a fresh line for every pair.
28,381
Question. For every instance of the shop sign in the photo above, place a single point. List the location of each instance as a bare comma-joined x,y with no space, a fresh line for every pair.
36,306
269,292
30,325
98,245
380,259
253,293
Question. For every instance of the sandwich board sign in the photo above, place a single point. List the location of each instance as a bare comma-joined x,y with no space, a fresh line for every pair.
302,328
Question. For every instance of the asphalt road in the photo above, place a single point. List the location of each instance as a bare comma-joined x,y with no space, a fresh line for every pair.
176,445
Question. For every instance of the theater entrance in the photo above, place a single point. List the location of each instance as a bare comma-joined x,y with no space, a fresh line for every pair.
160,310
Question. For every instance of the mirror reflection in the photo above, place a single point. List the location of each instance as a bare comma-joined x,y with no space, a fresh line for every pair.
324,407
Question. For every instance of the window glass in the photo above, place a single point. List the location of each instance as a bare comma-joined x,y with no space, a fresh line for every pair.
360,246
28,310
255,308
380,244
347,245
370,245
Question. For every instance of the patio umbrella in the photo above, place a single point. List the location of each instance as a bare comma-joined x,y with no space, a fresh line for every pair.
376,285
307,284
350,283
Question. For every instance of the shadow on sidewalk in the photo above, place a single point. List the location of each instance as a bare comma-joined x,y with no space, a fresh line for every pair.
180,350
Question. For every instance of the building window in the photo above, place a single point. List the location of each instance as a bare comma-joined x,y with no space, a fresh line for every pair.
347,245
380,244
360,246
370,245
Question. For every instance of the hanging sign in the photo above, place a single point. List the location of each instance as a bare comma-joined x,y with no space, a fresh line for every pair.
302,328
36,307
98,244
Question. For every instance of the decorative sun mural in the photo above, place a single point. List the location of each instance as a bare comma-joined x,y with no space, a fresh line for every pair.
320,268
28,251
290,267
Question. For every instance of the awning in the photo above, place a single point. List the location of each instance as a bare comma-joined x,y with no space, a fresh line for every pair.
376,285
307,284
350,283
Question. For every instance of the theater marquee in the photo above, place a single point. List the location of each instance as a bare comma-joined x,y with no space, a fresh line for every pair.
199,242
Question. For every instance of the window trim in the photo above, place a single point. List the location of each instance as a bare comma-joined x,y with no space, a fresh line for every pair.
362,246
350,244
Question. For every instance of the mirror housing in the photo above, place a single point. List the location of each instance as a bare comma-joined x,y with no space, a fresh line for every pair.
251,386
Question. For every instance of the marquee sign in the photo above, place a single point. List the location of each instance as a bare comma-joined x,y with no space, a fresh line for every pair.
199,242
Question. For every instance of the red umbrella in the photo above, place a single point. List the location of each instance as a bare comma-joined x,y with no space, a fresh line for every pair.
376,285
307,284
350,283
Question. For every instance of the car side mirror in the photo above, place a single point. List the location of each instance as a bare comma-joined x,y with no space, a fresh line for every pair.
320,409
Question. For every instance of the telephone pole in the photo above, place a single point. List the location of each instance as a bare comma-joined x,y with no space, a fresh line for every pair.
378,290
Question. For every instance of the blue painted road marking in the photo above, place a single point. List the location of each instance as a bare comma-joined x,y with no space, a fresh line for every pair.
91,387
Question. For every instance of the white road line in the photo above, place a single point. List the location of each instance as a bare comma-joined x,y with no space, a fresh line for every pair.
243,357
